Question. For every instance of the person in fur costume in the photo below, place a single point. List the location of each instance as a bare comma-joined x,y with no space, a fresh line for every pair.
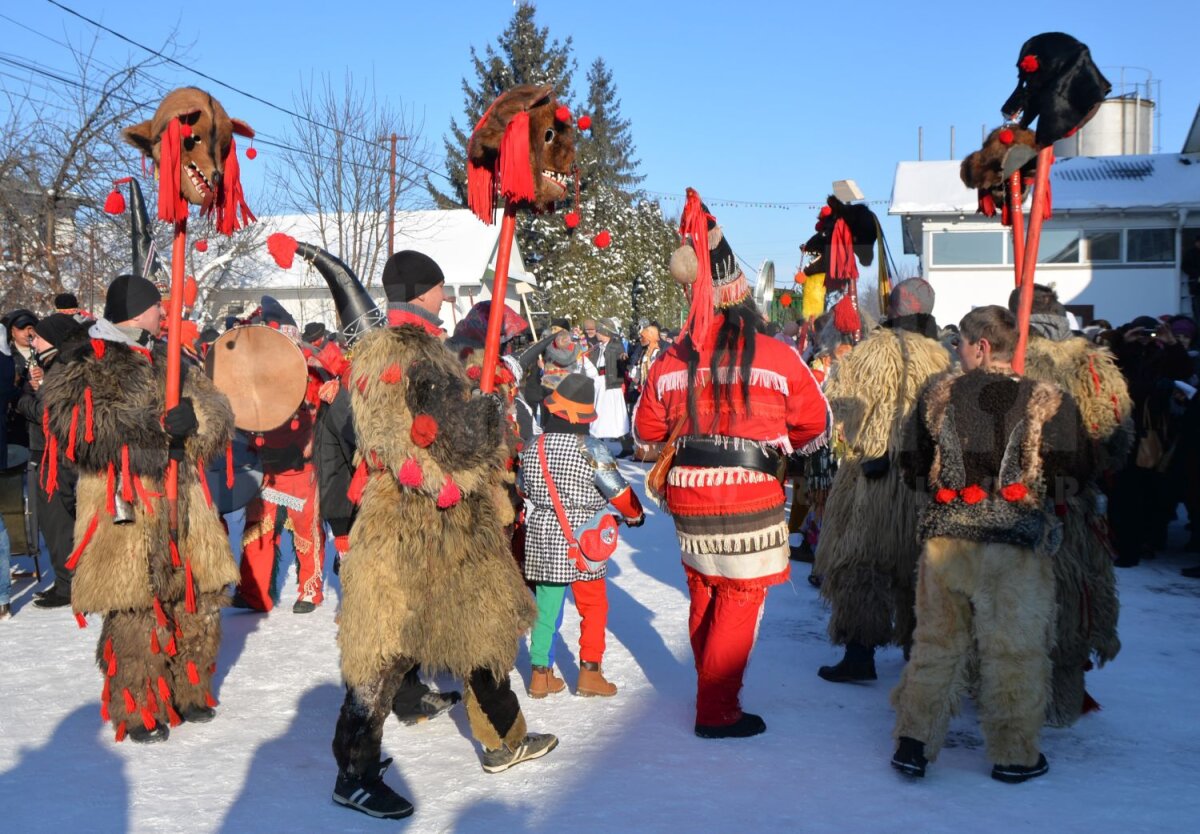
1083,568
160,598
997,452
428,578
738,401
867,556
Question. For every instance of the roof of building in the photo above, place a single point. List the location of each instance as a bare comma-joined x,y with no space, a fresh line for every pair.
1080,183
460,244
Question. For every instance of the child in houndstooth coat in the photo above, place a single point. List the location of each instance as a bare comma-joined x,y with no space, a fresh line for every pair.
586,478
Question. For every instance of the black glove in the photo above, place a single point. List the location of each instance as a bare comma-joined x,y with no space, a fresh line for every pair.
636,522
180,424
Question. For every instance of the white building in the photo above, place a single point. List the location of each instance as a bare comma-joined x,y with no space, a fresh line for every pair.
461,245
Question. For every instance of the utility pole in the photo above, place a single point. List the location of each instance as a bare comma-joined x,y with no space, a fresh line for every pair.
391,227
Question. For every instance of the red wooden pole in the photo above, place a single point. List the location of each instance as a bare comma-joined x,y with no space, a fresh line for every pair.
491,353
174,363
1018,225
1037,214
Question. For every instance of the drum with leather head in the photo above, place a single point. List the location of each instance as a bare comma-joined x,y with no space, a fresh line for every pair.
262,372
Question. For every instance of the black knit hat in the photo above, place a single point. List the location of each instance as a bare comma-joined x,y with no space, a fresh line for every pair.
66,301
129,296
57,328
314,330
574,399
409,274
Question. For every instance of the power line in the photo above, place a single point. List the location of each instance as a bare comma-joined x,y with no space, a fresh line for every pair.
237,90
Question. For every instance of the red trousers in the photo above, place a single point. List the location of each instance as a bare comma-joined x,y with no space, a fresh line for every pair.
723,626
265,523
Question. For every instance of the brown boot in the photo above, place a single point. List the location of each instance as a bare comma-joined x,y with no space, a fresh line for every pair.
592,682
544,682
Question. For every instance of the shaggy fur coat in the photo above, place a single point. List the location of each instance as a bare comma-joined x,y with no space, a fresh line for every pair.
1088,607
429,576
868,551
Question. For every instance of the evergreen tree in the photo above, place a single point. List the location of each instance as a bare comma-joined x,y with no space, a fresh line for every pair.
523,54
607,157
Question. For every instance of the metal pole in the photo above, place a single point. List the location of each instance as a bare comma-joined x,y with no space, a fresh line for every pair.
920,143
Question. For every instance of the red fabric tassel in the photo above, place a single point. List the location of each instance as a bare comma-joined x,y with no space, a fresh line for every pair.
151,701
108,649
358,484
72,432
987,204
209,700
283,249
174,553
144,496
164,691
160,616
232,211
87,539
841,253
148,720
189,591
516,170
192,673
173,716
112,666
171,650
155,646
80,619
229,466
171,205
114,203
203,476
481,191
105,696
120,736
111,491
130,704
89,433
52,455
1005,215
694,223
126,476
98,348
845,317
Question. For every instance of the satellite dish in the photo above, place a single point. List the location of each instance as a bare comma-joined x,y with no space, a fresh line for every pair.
764,288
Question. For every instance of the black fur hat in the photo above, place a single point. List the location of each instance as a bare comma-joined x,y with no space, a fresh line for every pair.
1058,84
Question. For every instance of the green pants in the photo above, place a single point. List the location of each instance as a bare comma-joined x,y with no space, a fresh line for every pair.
591,598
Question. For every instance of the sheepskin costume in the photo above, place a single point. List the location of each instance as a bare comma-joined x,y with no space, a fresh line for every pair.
161,603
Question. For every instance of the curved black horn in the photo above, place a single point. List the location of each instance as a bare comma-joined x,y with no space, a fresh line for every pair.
145,254
356,309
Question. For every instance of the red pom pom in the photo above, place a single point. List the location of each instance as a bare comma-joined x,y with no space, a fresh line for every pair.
845,316
282,248
1029,64
562,114
973,494
115,202
251,153
826,211
585,122
185,129
785,300
424,430
475,372
1006,137
410,475
201,245
392,374
450,494
602,240
572,219
1014,492
945,496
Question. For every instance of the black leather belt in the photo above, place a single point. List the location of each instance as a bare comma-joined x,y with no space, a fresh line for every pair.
706,452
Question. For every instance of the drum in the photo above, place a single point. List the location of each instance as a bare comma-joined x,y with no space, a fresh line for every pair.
262,372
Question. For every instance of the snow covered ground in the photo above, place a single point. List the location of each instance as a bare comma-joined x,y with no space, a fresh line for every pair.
627,763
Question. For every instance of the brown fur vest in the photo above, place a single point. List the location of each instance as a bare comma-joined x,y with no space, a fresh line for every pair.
430,575
122,442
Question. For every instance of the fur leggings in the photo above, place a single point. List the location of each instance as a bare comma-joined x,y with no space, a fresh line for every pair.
157,668
492,711
1000,598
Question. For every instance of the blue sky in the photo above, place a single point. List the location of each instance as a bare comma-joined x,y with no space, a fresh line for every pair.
764,102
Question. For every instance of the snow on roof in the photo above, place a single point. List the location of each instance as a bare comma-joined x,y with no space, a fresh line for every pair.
1079,183
460,244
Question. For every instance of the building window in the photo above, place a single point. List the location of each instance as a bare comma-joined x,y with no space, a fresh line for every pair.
1150,246
1103,246
1059,246
968,248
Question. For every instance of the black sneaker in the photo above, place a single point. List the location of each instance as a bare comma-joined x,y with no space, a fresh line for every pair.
303,606
746,726
431,705
371,795
533,746
52,601
910,757
858,664
1014,774
198,714
49,592
141,735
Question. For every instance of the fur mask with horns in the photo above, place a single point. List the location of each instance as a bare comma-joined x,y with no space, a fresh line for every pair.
835,246
1005,151
525,146
190,139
